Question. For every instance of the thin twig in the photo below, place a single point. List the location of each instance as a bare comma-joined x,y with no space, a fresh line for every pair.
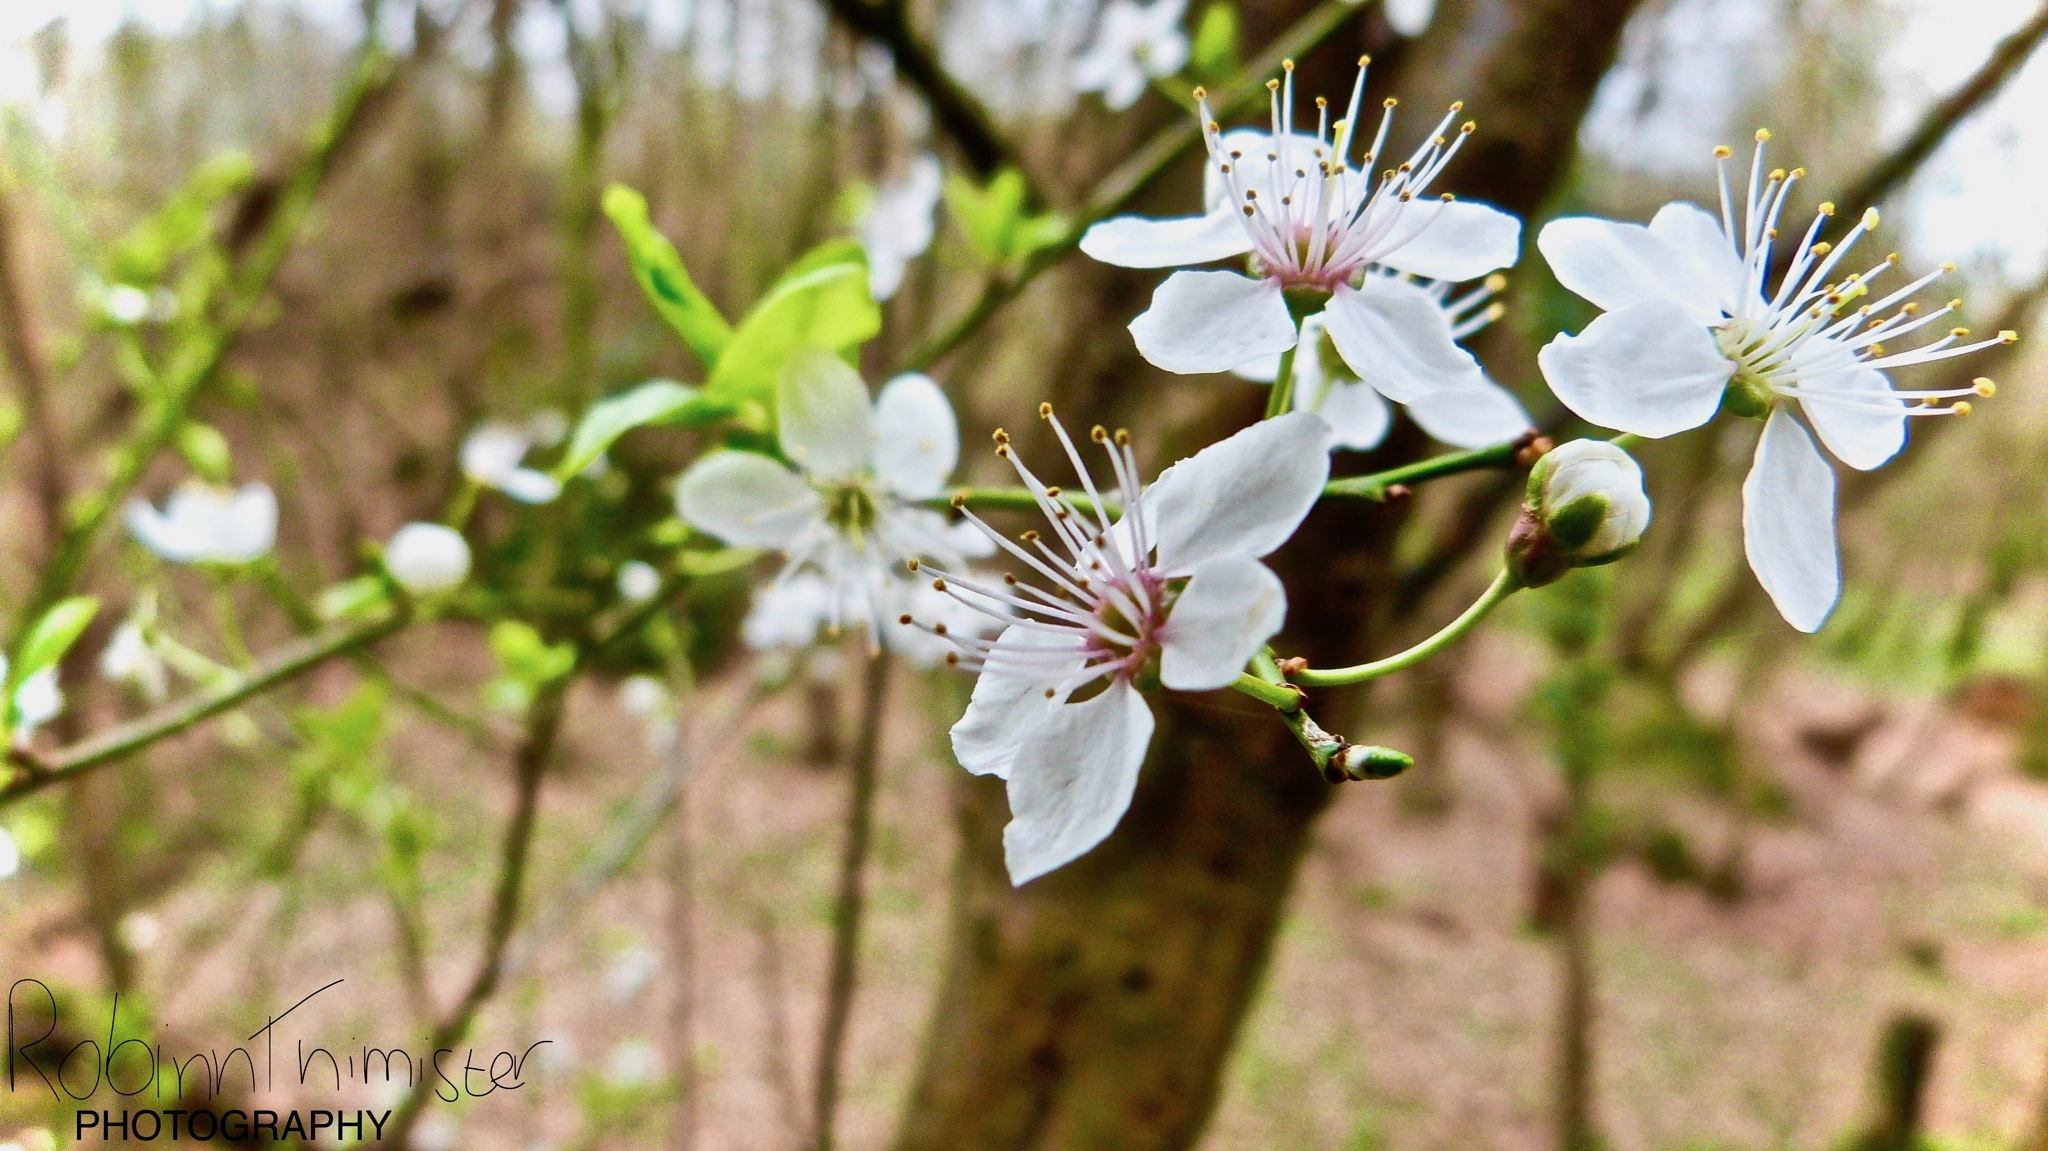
851,903
543,722
31,373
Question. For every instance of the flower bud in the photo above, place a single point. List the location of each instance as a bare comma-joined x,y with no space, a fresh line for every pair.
1586,506
427,558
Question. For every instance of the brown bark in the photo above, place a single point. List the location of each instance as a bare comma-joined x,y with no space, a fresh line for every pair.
1095,1007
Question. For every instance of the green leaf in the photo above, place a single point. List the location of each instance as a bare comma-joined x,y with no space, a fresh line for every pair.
994,220
654,402
181,224
660,273
698,565
52,636
353,597
527,658
1215,52
822,301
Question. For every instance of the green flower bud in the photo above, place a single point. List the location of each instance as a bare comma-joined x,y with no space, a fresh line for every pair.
1586,506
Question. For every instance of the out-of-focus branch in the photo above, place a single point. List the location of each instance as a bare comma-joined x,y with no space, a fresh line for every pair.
191,366
958,113
1127,179
31,372
1896,168
543,722
287,663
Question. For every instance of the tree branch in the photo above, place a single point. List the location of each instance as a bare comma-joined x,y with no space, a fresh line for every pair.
958,113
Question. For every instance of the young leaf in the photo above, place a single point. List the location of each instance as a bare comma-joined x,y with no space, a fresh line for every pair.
654,402
181,224
53,635
1215,55
206,450
527,658
822,301
660,273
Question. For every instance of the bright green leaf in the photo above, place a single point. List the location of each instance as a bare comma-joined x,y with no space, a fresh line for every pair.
206,451
1215,52
654,402
53,635
697,565
660,273
529,659
353,597
181,224
994,220
821,302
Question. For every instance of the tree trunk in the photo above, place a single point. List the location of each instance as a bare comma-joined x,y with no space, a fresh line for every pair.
1095,1008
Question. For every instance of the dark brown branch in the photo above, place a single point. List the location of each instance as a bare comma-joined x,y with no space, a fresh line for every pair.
32,374
956,110
851,903
1898,167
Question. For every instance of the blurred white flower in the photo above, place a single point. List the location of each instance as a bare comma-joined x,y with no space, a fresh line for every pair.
649,700
850,510
1315,225
1134,44
491,455
36,702
1071,767
1410,18
201,523
129,658
427,558
1358,414
436,1132
629,973
898,225
10,855
787,613
547,427
139,931
945,618
1690,327
634,1063
638,581
125,304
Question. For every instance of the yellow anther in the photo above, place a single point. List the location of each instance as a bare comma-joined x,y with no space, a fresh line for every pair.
1870,217
1948,268
1827,207
1000,436
1910,309
1956,305
1823,248
1044,410
911,564
1052,492
1468,127
1959,333
1777,174
1722,151
1892,259
1364,60
1763,135
1287,65
1983,386
1272,85
1799,173
1448,197
1322,101
1030,537
1202,93
1098,433
1389,102
1495,311
2008,337
1962,408
938,585
1877,349
959,500
1457,106
1123,437
1496,283
1407,196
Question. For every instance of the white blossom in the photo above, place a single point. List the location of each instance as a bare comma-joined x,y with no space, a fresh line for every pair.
1175,584
10,855
1410,18
1692,326
898,225
201,523
788,616
427,558
1316,226
129,658
37,700
1359,415
1134,44
491,455
638,581
1586,506
849,509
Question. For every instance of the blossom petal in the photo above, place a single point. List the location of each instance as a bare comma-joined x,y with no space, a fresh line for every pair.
917,440
1864,427
1464,241
1615,265
1395,336
1695,234
1358,416
529,486
249,528
747,500
1073,780
1476,418
1212,322
1241,496
1142,242
1007,709
822,416
1647,369
1230,608
1788,523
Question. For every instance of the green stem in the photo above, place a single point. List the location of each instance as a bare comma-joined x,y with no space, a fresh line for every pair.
1374,487
1281,400
1280,696
1013,500
1337,759
1503,586
1626,441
